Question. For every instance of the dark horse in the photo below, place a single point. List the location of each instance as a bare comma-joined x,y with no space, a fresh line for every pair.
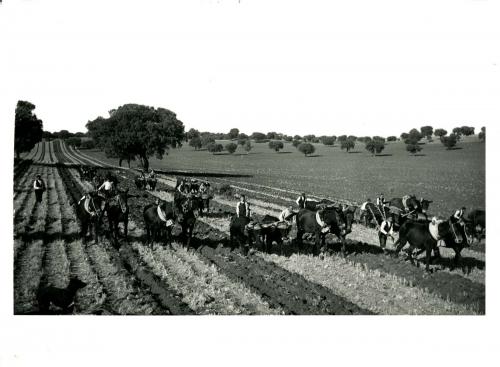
117,212
156,226
187,218
337,222
90,210
419,236
243,232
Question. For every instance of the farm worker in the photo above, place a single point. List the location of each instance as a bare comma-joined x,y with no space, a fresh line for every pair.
151,173
286,215
386,229
107,186
301,201
381,200
363,206
458,216
243,208
142,177
39,187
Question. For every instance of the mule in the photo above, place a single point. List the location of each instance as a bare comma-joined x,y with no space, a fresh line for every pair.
90,210
117,212
419,236
157,225
337,222
241,232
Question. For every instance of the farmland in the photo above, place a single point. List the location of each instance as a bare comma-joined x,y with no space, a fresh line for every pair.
451,178
209,279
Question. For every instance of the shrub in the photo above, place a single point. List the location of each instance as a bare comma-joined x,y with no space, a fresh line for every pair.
375,146
248,146
413,148
231,147
306,148
296,143
347,144
215,148
276,145
482,134
392,138
328,140
440,133
195,142
450,141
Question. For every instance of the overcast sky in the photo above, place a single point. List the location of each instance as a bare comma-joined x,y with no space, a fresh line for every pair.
298,67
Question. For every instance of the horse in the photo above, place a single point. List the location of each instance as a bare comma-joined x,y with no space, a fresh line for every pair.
187,218
139,182
242,231
117,212
90,210
337,222
159,218
419,236
407,203
151,183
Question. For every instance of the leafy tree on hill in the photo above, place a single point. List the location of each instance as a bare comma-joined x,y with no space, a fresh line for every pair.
392,138
404,136
467,130
258,136
426,131
272,135
450,141
352,137
28,128
231,147
233,133
242,142
414,136
215,148
87,144
306,148
248,146
296,143
342,138
192,133
328,140
347,144
195,142
379,138
276,145
413,148
287,138
457,131
47,135
375,146
207,139
440,133
134,130
482,134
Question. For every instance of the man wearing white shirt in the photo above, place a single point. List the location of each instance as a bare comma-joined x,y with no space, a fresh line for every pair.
386,229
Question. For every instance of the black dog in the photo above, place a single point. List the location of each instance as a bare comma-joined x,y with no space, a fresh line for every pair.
61,297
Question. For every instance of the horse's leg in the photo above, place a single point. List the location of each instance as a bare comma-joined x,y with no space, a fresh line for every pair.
125,228
401,241
148,236
428,251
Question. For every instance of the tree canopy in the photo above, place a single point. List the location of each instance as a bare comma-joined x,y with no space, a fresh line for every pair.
450,141
28,128
440,132
233,133
375,146
306,148
195,142
347,144
134,130
482,134
276,145
426,131
231,147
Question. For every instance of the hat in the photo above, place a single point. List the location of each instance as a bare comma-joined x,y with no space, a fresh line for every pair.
463,208
390,218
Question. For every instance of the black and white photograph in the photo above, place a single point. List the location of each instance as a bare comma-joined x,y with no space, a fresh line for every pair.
248,158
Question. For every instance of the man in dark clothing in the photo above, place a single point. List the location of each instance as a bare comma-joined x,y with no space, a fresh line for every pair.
242,208
301,201
39,187
386,229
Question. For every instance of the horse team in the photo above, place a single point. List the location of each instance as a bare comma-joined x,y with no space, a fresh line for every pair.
317,218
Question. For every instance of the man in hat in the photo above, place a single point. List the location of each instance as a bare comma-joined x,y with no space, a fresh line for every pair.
301,201
458,216
242,208
386,229
39,186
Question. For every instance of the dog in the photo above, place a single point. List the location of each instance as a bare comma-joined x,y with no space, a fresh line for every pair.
64,298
